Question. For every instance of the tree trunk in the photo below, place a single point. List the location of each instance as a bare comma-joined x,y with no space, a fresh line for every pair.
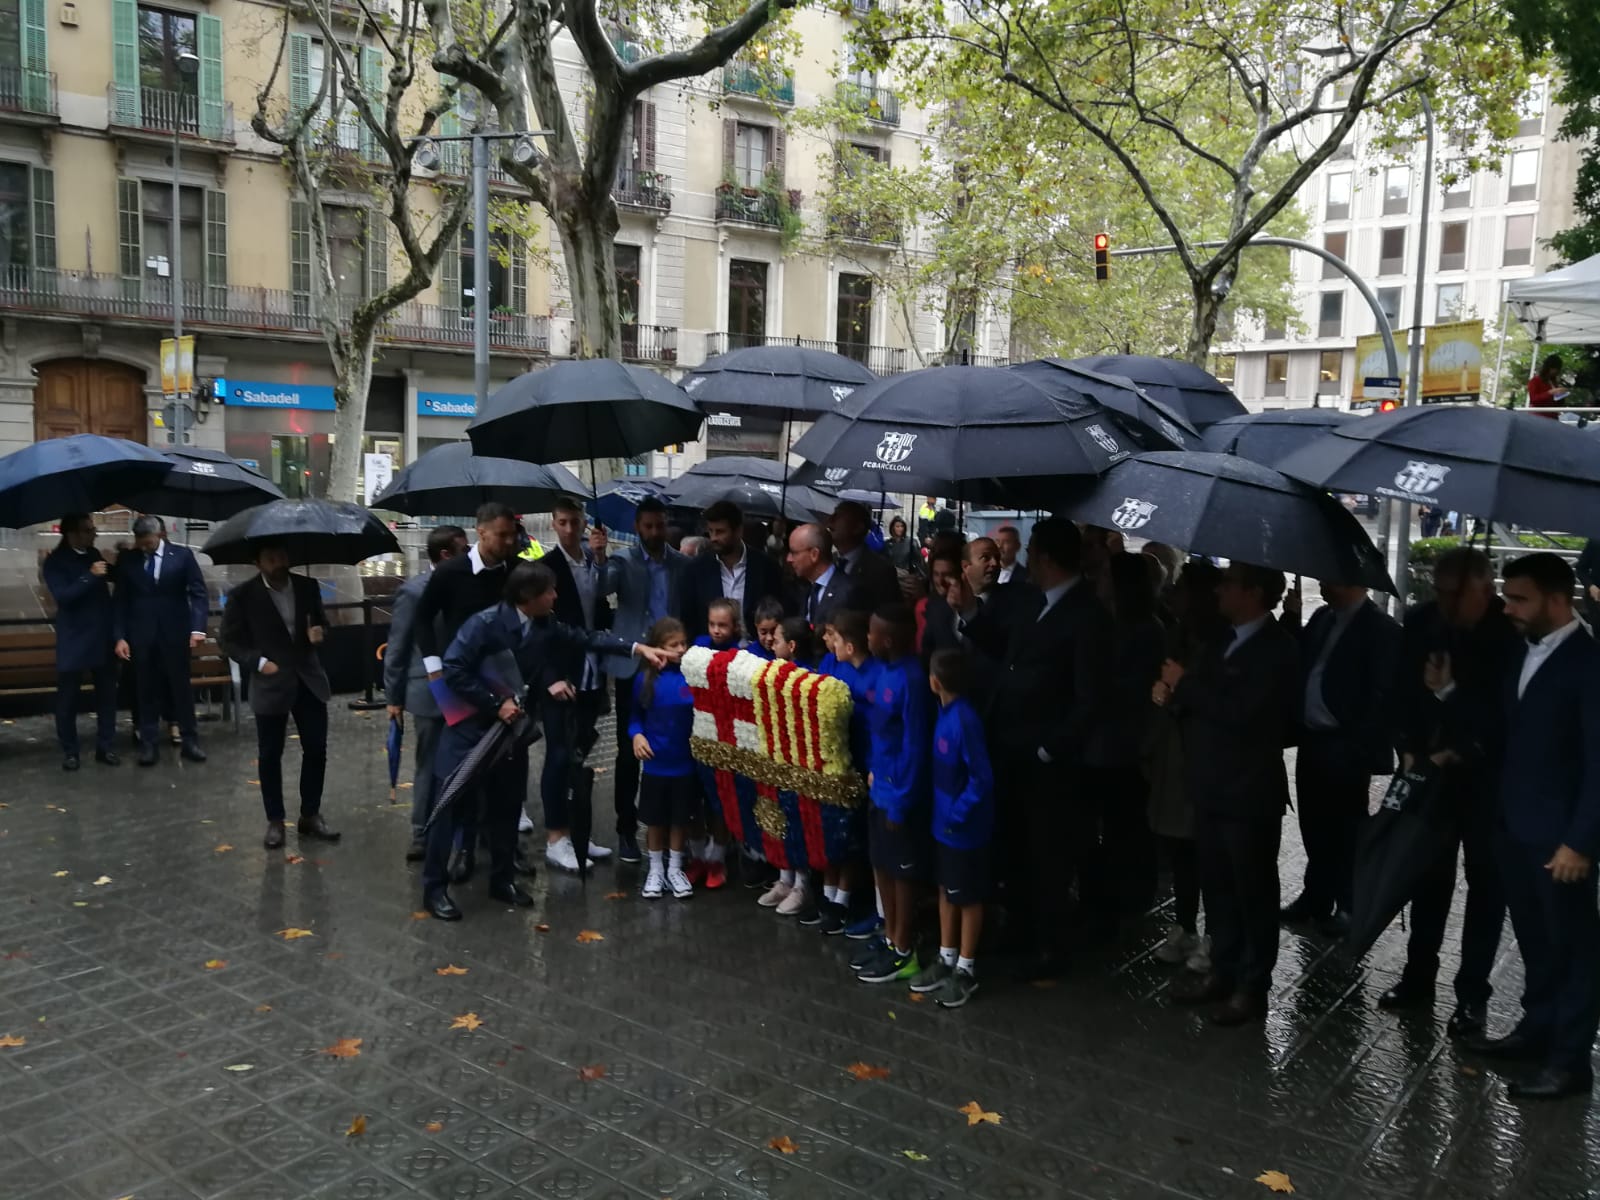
353,371
588,238
1203,325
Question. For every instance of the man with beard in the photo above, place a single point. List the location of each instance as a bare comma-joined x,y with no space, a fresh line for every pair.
730,572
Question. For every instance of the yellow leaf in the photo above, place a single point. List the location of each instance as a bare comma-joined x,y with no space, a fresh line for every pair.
590,935
1276,1180
12,1039
344,1048
914,1156
263,1008
616,895
222,849
292,933
419,916
977,1116
80,904
863,1070
467,1021
357,1127
102,881
452,969
60,875
590,1074
783,1145
216,964
433,1127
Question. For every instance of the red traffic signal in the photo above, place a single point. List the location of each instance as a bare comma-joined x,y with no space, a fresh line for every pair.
1102,257
1388,405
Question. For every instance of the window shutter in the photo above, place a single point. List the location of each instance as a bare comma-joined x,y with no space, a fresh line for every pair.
44,225
213,112
216,249
300,256
299,74
377,252
647,135
730,144
35,58
372,84
779,153
451,159
883,160
130,240
125,60
450,278
519,273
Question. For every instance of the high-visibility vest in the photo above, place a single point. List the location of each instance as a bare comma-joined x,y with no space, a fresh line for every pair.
533,553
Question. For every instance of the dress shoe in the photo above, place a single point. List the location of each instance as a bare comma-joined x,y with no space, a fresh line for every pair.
191,751
521,863
107,758
1514,1045
511,894
1201,989
1551,1083
315,826
1408,993
441,907
1241,1008
1336,926
418,850
1468,1020
1303,910
463,865
69,762
627,848
147,754
274,838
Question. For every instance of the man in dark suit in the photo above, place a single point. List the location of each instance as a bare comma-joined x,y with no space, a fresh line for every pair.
1588,569
159,616
823,588
1550,831
79,581
1048,654
732,571
1348,653
871,571
1237,710
272,626
405,681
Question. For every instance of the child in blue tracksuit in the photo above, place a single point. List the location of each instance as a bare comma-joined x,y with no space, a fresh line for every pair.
900,720
708,857
794,642
723,631
857,669
963,824
768,621
659,725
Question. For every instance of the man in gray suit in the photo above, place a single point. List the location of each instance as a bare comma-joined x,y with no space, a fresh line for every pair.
272,626
405,681
646,579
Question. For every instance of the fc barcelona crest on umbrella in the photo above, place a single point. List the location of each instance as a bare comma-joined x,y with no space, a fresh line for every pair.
1421,478
895,447
1105,441
1133,513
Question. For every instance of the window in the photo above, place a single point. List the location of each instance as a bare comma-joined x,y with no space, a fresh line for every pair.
347,133
347,229
1519,242
1345,151
1330,366
627,264
1453,246
499,273
752,151
1530,110
1447,307
853,327
1339,188
157,214
1458,192
16,232
747,304
1389,301
1330,314
1273,329
1396,190
1392,251
1223,367
10,35
1277,374
1523,183
164,37
1337,245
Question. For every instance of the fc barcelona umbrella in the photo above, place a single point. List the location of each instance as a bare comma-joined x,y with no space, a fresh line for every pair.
1152,424
1270,437
207,485
1196,395
796,382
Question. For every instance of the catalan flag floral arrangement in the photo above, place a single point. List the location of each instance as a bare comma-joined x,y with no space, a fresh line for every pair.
773,743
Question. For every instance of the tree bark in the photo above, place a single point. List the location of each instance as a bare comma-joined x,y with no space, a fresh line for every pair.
588,234
1203,326
353,381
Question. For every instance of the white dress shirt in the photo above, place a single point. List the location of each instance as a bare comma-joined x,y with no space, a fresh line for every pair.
155,574
1539,652
733,579
1052,595
586,577
1243,633
1006,573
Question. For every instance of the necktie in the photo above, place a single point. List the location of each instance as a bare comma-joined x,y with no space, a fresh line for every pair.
150,565
811,606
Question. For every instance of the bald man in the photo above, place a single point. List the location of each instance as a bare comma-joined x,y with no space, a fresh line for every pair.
824,588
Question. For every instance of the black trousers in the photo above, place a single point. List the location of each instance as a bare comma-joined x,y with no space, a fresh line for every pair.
425,732
498,798
1183,862
1119,861
568,733
272,733
1239,880
105,707
1045,843
1332,797
627,768
1485,913
161,686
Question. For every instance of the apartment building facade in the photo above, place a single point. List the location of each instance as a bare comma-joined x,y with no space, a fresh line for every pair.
94,101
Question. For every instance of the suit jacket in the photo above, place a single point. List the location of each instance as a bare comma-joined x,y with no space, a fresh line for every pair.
843,593
501,628
83,608
1237,714
253,630
1358,682
568,665
627,577
1550,779
702,583
405,680
1470,720
876,576
159,613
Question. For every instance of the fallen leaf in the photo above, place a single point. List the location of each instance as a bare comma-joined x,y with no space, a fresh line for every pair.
1470,1071
783,1145
406,786
616,895
419,916
80,904
12,1039
541,928
60,875
240,1067
452,969
590,1074
291,933
102,881
916,998
466,1021
863,1070
914,1156
253,782
216,964
1276,1180
1044,985
891,1015
976,1114
334,954
590,935
357,1127
5,806
292,859
433,1127
344,1048
263,1008
222,849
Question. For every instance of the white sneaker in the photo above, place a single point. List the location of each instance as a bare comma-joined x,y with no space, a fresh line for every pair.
1176,946
524,822
597,853
775,895
560,853
1200,960
682,889
654,882
793,902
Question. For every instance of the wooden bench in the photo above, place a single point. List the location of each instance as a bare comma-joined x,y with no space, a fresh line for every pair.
28,666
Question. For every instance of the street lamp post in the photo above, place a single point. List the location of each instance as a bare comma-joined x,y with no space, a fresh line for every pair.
188,68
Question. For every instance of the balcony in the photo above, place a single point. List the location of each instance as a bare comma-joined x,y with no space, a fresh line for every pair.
643,189
650,343
966,358
862,8
756,206
763,81
161,113
876,228
880,360
32,93
877,104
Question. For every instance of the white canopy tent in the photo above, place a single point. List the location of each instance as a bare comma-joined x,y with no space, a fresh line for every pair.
1562,307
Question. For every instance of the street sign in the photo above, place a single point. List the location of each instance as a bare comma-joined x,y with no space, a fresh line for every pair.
1380,387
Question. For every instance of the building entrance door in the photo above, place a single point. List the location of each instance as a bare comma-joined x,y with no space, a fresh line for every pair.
77,395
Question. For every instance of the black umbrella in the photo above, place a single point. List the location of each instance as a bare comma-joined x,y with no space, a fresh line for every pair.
1268,437
791,381
967,433
207,485
497,742
81,473
587,409
315,531
1198,396
756,485
1216,504
1152,424
1399,845
452,480
1505,466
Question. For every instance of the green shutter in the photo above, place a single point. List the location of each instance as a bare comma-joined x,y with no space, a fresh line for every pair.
299,74
125,60
216,250
35,58
377,252
300,256
450,279
213,112
372,84
451,159
519,274
44,226
130,237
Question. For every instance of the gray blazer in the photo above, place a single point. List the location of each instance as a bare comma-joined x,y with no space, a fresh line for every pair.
628,579
405,682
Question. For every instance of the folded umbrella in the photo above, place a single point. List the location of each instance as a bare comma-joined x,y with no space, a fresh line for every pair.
1194,394
796,382
314,531
1216,504
1398,846
207,485
453,480
396,737
1149,422
756,485
1269,437
498,741
616,504
81,473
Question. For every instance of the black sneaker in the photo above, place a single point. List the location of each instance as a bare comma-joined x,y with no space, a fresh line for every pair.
868,955
890,967
957,990
627,848
811,914
832,921
757,876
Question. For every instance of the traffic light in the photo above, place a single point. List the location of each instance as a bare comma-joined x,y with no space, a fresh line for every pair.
1388,405
1102,257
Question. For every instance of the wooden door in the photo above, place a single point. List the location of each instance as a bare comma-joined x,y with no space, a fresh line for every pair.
75,395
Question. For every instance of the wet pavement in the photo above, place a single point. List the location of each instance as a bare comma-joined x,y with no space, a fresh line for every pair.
162,1036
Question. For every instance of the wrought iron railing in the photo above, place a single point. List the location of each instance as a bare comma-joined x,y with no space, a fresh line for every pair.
880,360
643,189
766,80
27,91
160,111
650,343
866,227
877,104
749,205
